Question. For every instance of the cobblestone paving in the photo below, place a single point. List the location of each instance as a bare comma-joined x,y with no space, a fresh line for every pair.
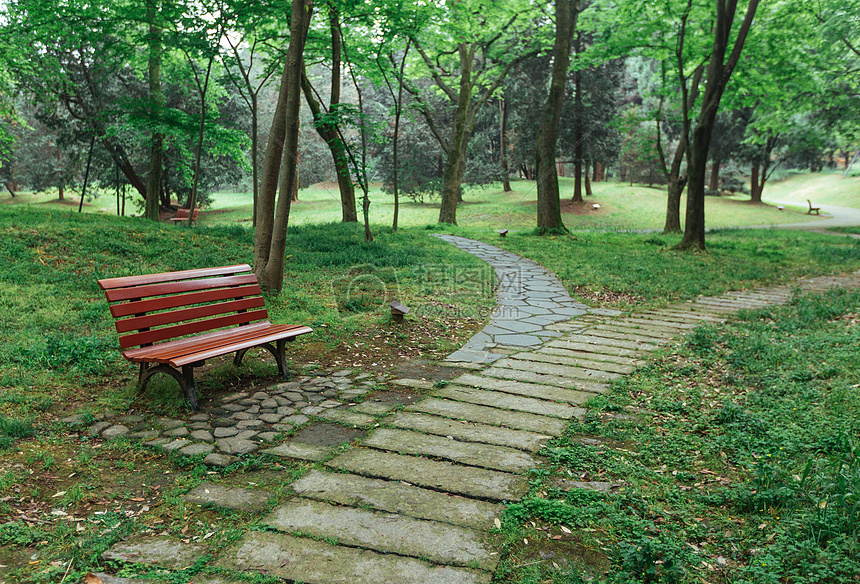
529,299
418,500
242,423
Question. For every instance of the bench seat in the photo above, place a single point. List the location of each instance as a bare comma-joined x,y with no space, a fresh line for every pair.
178,320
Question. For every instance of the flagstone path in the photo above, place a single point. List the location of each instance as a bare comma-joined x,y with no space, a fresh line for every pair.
418,499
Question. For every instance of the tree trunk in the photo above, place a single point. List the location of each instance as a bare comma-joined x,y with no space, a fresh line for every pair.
719,73
398,109
577,114
269,179
11,187
329,133
714,183
599,172
503,138
755,191
548,200
673,204
588,192
271,271
153,186
255,171
451,175
60,194
192,200
344,181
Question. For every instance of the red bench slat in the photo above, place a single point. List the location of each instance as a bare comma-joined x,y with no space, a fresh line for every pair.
140,323
127,281
171,332
165,288
178,300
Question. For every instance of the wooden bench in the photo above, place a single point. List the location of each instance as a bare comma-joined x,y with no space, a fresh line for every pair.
816,210
182,215
177,320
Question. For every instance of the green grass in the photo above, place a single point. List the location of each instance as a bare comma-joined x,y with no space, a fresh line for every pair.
825,188
615,268
623,207
744,467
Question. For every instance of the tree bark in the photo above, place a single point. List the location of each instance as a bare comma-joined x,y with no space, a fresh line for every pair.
269,178
153,186
714,182
271,271
755,192
577,113
503,139
719,72
451,174
329,133
548,201
588,192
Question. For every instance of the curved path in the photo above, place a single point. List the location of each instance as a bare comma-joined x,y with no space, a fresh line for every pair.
529,300
416,500
838,217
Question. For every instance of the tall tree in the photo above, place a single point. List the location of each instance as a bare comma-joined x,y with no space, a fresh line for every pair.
326,121
474,45
719,71
270,236
548,200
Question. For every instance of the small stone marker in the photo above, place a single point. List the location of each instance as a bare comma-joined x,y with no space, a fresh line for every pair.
502,232
398,311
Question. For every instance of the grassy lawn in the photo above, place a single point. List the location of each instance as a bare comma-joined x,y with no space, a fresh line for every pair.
622,207
716,405
826,188
740,462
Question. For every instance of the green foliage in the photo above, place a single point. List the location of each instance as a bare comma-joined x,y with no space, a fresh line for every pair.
652,560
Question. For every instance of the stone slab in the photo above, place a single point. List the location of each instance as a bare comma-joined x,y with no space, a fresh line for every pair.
345,416
415,383
373,408
196,449
681,313
387,533
574,373
156,551
236,446
471,432
490,415
594,337
108,579
218,459
300,451
445,476
590,357
659,334
588,364
470,453
615,334
316,562
395,497
569,344
508,401
543,379
547,392
229,497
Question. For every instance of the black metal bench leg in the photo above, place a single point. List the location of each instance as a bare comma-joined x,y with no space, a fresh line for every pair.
185,379
278,352
188,386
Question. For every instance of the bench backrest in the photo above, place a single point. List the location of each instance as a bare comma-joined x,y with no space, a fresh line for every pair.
159,307
183,214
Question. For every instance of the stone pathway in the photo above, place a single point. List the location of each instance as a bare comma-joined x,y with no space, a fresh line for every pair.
419,499
529,299
243,422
